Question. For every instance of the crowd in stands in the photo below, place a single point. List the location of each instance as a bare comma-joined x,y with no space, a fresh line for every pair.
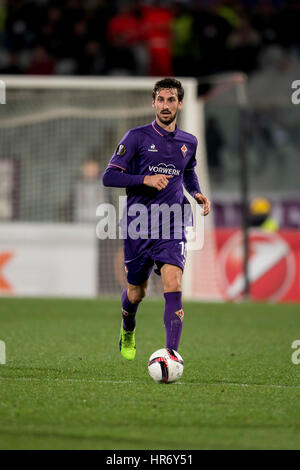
156,38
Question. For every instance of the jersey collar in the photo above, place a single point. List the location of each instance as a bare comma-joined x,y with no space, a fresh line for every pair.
162,131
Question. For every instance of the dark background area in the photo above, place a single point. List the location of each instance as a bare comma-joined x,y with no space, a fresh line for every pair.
151,38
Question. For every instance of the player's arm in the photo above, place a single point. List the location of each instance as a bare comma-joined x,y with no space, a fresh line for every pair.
191,183
116,177
118,173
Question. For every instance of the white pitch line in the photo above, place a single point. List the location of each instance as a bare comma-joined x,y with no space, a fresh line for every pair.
132,382
57,379
236,384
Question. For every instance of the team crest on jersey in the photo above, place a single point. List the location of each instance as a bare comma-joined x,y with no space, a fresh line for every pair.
121,150
184,150
180,314
152,148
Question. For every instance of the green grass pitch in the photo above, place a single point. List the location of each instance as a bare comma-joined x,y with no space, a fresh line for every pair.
65,385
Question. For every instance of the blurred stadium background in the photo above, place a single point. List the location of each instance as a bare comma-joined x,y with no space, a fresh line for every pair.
78,74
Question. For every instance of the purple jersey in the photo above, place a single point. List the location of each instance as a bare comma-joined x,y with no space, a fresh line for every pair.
149,150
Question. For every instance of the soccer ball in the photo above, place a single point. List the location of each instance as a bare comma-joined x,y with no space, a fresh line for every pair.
165,365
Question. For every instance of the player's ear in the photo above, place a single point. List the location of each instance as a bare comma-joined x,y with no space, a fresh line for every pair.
180,104
153,106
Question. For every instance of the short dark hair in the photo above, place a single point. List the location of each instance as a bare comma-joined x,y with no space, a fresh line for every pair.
168,83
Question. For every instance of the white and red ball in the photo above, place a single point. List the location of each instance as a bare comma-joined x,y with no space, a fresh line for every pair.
165,365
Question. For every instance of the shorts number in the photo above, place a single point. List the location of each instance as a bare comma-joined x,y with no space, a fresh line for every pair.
183,251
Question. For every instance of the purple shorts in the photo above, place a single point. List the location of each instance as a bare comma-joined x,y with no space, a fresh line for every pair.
141,255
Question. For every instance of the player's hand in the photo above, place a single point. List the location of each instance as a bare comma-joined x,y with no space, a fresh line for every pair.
157,181
201,199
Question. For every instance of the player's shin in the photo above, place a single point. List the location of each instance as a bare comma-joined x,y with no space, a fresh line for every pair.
128,312
173,318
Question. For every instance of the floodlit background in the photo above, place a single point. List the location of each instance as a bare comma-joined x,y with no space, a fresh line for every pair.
56,137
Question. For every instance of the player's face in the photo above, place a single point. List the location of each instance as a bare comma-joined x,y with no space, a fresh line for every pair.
166,104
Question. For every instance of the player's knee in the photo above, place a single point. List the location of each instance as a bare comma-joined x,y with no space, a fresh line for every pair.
171,278
136,295
172,285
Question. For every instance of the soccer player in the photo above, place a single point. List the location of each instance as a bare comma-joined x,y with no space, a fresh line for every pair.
153,162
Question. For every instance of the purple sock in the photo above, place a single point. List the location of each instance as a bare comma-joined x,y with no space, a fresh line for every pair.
173,318
128,312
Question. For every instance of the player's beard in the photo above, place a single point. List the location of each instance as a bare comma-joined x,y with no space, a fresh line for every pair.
167,118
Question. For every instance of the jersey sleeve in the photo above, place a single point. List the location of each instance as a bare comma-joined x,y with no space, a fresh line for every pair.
190,179
124,152
192,161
